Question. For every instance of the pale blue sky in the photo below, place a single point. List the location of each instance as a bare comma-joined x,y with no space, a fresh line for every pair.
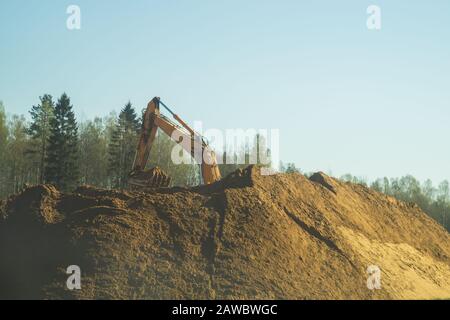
346,99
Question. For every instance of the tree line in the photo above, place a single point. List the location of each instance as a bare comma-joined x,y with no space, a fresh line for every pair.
52,147
434,200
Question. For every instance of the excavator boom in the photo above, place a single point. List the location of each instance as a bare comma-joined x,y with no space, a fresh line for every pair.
181,133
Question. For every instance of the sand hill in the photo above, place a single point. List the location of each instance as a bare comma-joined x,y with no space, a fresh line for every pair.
248,236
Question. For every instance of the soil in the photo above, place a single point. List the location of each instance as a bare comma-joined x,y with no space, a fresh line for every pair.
248,236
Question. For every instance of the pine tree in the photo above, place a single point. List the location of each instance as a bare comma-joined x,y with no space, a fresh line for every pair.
122,146
62,155
39,131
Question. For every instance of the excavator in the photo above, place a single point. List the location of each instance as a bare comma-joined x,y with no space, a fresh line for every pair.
181,133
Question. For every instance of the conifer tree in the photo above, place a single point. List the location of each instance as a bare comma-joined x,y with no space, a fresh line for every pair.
122,146
62,155
39,132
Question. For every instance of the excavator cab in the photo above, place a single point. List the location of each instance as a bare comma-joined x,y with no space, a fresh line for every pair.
140,178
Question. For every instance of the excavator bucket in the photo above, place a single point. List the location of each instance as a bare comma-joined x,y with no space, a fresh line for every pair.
153,178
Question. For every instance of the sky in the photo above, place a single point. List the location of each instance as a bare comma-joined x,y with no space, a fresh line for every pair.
346,99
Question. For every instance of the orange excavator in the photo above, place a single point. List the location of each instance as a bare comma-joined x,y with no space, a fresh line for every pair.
181,133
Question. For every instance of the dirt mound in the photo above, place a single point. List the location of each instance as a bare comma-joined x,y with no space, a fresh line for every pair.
247,236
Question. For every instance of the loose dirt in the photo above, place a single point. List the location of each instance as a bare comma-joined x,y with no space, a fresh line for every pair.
247,236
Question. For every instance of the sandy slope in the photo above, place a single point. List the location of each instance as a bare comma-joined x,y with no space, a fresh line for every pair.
249,236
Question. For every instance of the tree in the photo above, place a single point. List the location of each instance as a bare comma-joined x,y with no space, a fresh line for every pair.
62,156
3,146
353,179
428,190
443,201
443,192
19,167
435,202
377,185
122,146
260,153
239,156
3,129
41,115
291,168
93,153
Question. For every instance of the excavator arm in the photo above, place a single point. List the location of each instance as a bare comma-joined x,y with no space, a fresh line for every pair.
182,134
148,134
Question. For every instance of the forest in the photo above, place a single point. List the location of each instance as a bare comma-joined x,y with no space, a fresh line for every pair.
50,146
